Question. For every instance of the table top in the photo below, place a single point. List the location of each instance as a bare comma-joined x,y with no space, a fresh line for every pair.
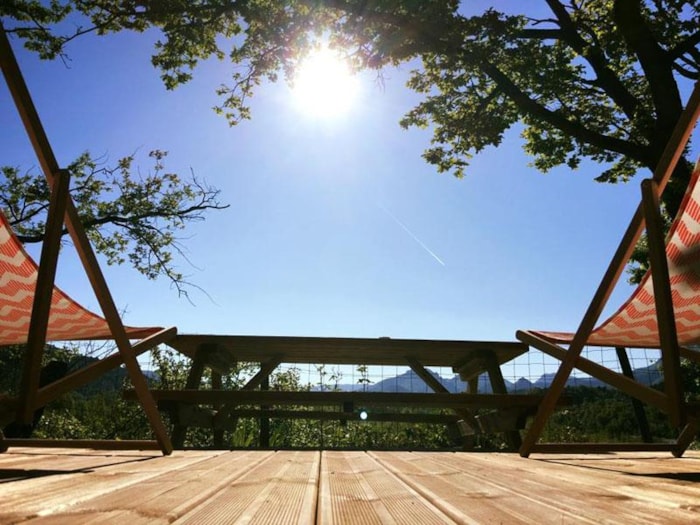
336,350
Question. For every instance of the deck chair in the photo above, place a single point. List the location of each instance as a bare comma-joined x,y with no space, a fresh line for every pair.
33,311
663,312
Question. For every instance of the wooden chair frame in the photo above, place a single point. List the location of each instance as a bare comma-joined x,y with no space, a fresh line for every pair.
62,211
671,400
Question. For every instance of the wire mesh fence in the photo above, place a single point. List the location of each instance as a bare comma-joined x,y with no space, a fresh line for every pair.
593,412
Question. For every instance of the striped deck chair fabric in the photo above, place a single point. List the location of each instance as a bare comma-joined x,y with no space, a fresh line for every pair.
68,320
634,325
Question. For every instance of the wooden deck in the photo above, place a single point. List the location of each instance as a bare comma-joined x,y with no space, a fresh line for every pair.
207,487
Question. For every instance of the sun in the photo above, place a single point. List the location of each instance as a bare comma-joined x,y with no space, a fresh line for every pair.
324,86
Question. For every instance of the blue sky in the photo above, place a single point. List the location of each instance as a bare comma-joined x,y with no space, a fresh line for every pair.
331,223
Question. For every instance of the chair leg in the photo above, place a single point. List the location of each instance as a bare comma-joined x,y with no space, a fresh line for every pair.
668,337
41,307
3,445
686,437
548,404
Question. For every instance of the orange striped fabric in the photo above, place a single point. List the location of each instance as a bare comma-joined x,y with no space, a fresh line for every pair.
634,324
68,321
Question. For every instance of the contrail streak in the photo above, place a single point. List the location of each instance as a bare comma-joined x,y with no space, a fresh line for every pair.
405,228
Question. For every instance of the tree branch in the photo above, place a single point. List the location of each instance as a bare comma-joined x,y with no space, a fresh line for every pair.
607,78
687,46
554,118
657,66
542,34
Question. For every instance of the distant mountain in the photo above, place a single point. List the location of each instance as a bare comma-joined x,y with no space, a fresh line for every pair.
410,382
522,385
649,375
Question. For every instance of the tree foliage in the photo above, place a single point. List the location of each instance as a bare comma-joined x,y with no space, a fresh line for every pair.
603,415
586,79
128,215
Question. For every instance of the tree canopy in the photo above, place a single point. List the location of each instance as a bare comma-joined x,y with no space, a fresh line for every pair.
586,79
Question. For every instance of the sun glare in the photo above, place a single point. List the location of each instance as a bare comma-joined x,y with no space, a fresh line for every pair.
324,86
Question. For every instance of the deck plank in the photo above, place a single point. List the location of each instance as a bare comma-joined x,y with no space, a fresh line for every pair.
46,490
528,491
281,489
652,489
355,488
55,486
66,459
457,492
169,494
